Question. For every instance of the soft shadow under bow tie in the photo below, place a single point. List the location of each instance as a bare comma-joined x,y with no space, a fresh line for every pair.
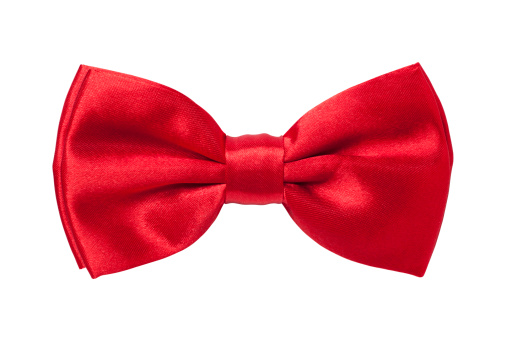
141,171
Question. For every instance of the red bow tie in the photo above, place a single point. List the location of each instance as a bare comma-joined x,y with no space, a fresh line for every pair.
141,171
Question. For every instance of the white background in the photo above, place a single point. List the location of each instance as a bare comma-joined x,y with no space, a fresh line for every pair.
255,67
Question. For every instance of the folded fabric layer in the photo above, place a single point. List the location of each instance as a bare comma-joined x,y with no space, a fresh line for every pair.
141,171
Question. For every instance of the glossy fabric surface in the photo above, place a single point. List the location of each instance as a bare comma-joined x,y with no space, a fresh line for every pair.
141,171
254,169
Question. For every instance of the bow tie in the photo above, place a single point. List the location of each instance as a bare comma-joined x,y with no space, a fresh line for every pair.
141,171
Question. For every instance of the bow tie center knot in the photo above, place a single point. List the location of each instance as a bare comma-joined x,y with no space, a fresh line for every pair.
254,169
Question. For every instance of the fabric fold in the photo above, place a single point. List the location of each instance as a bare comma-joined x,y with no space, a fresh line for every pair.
141,171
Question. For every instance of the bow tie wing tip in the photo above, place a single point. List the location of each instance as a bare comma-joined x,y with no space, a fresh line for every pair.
133,182
372,184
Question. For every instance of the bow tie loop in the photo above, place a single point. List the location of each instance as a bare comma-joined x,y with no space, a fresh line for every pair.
254,169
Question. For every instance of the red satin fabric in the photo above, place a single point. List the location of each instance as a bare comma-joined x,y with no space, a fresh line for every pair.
141,171
254,169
